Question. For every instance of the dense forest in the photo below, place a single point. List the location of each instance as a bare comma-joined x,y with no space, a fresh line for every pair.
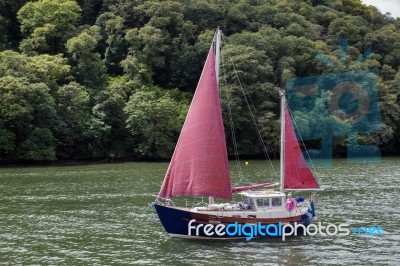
92,79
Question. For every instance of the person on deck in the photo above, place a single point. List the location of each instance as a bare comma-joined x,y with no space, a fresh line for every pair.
290,203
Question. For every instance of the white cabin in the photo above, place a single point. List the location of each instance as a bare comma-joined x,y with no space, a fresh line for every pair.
266,204
256,204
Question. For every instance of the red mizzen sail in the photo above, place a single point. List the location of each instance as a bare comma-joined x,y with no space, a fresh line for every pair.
199,165
297,173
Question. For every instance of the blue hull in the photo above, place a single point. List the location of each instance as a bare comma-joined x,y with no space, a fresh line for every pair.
177,221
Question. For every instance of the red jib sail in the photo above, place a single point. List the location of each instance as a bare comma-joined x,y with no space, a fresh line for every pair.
297,173
199,165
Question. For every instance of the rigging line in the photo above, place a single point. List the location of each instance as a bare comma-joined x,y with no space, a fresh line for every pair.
252,106
254,120
255,112
275,86
302,142
276,76
232,125
254,116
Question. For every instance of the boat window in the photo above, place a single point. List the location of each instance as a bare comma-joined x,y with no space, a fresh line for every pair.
263,202
276,202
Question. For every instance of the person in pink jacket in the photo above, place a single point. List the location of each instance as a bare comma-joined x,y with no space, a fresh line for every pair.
290,203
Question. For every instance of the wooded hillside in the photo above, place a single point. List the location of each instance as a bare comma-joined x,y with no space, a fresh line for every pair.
114,78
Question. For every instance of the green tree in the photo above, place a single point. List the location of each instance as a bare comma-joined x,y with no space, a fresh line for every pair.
386,42
115,45
47,24
154,119
75,131
348,27
88,68
7,143
164,42
52,70
27,118
109,110
39,146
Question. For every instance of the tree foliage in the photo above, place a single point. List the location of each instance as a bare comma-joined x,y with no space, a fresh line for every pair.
27,119
154,118
47,23
88,67
114,78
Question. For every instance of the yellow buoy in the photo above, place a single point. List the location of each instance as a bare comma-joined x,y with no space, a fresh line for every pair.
246,163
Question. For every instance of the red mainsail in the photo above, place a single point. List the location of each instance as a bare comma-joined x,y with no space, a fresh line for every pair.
296,171
199,165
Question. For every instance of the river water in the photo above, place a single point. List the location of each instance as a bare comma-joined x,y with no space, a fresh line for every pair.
98,215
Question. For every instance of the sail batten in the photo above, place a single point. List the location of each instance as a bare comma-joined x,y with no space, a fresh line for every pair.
199,165
297,174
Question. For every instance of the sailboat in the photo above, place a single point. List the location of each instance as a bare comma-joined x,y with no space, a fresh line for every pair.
199,167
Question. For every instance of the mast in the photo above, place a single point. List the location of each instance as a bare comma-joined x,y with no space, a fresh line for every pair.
217,53
282,153
217,63
295,173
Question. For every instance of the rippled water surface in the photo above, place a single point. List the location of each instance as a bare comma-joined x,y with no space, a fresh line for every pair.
98,214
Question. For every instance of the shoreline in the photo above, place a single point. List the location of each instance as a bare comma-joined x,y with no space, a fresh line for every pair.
74,162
